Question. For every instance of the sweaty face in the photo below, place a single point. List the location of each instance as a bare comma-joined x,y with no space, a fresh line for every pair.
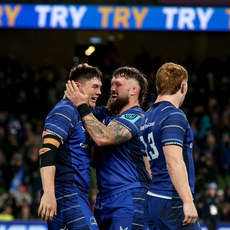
93,89
119,95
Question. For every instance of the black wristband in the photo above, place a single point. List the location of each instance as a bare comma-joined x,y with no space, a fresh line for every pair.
83,110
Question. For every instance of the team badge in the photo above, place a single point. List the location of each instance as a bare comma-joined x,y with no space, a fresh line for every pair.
130,116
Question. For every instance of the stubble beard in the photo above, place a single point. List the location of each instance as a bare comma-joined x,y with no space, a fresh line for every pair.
116,106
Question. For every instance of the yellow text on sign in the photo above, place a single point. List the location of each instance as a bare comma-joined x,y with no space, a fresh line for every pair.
122,15
11,14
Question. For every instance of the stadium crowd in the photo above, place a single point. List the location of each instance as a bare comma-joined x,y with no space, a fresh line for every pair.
27,94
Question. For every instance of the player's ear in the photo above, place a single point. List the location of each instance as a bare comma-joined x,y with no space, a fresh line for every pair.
133,90
183,87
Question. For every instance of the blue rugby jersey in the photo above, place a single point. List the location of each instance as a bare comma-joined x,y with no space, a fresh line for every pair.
164,124
120,167
73,157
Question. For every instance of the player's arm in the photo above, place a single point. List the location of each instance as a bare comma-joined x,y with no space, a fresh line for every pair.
178,174
113,134
147,166
47,155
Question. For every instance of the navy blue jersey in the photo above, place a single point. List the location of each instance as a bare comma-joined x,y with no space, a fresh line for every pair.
120,167
164,124
73,157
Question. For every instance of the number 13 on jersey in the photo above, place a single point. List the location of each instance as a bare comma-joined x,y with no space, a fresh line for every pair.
152,153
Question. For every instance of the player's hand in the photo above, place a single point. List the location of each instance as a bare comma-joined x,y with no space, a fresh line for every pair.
76,93
190,213
48,207
84,65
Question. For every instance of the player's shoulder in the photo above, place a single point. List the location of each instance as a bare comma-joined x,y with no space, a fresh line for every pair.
64,108
65,105
136,110
167,109
133,115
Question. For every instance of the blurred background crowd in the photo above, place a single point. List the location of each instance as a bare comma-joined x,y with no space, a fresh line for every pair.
28,93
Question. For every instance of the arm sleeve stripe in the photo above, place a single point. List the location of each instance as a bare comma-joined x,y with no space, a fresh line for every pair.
60,114
173,126
48,145
57,127
53,137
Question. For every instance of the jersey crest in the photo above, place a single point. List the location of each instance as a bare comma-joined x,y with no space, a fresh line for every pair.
131,117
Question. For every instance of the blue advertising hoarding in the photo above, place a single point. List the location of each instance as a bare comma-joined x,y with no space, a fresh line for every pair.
39,225
105,17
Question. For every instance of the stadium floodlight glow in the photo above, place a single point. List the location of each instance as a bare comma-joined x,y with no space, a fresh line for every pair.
90,50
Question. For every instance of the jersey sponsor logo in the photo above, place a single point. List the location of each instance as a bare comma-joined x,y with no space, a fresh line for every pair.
145,126
93,221
191,145
85,146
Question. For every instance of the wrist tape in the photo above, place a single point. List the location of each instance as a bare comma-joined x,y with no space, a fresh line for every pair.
83,110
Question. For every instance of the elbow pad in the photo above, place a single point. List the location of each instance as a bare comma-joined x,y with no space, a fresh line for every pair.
49,157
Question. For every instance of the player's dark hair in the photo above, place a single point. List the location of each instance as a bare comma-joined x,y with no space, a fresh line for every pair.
131,72
84,72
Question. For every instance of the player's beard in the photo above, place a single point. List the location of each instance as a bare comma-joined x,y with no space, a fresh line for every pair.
116,106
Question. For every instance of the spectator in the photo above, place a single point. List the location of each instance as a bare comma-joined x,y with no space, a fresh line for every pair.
211,207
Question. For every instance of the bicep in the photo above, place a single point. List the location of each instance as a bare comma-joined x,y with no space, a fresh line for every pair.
49,138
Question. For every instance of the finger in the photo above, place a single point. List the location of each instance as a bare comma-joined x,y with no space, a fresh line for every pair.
83,91
193,220
185,221
43,213
66,92
69,88
39,210
69,85
51,216
47,216
87,65
75,85
188,221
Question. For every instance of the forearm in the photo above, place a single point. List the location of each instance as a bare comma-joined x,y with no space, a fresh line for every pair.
113,134
147,166
178,174
177,171
47,176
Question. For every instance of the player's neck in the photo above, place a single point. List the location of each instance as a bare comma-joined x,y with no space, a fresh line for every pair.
173,99
128,106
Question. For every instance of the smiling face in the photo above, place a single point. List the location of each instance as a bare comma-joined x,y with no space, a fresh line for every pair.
93,89
120,93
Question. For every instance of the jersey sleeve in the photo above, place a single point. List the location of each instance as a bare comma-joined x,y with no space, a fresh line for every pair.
130,121
61,120
173,129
